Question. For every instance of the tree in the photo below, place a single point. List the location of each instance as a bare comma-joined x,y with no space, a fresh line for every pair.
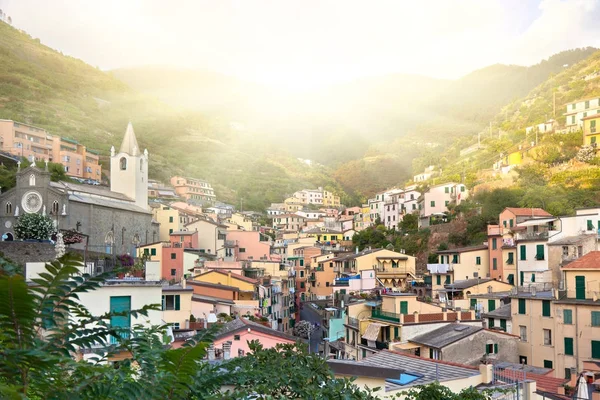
298,375
435,391
303,329
41,327
409,223
34,226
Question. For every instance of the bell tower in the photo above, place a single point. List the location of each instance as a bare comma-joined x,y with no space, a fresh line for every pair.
129,170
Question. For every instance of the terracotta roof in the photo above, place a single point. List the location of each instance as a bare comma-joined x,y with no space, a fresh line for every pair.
590,261
242,324
529,212
544,383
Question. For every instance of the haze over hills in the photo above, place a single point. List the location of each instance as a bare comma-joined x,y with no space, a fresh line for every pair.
244,137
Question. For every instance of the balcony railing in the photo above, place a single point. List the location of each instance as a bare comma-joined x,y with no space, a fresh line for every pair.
312,278
378,345
384,315
532,235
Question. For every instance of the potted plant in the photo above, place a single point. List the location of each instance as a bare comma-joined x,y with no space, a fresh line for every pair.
71,236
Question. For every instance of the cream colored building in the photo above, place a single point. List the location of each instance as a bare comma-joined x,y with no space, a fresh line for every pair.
169,221
459,264
241,221
177,305
211,236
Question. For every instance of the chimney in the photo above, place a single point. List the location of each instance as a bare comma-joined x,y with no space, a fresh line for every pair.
211,352
183,283
533,290
226,350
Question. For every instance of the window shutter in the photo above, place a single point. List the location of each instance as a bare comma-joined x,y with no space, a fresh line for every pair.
567,317
495,348
396,332
523,250
546,308
595,318
503,324
177,302
595,349
404,307
522,309
568,346
539,254
163,302
431,352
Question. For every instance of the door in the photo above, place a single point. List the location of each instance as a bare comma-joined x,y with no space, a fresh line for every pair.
120,304
580,287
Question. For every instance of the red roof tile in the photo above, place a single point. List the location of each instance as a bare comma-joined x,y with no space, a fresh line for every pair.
529,212
590,261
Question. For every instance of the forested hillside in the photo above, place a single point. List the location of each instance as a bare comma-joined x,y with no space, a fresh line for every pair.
45,88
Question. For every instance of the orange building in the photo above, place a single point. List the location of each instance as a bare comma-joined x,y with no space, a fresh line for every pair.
193,189
37,144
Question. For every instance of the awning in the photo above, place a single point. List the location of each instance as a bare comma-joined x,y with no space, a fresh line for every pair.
537,221
373,331
406,346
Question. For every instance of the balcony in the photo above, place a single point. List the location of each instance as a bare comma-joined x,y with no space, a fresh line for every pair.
384,315
532,235
312,278
378,345
231,243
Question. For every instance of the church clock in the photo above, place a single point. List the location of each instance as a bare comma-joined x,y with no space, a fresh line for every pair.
31,202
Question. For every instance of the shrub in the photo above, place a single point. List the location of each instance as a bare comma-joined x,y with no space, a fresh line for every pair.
34,227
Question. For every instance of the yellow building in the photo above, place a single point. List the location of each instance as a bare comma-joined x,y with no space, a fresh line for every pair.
169,221
591,129
514,158
330,199
560,329
246,286
240,221
459,264
177,305
151,250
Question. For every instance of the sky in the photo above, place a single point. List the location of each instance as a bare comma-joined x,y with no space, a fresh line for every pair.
307,44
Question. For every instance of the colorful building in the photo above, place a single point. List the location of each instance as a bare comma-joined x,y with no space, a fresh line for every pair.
36,144
193,190
591,130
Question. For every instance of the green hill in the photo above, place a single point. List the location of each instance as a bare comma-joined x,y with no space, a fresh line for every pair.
43,87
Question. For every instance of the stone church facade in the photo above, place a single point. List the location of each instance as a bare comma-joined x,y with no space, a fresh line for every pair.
114,220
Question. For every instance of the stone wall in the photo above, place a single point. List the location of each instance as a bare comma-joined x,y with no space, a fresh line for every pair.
24,252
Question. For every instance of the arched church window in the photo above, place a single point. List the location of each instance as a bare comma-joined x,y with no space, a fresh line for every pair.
8,208
123,163
55,207
32,180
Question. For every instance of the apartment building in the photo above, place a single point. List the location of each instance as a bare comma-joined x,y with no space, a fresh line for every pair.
330,199
37,144
501,241
591,130
434,203
458,264
288,222
310,196
193,190
580,109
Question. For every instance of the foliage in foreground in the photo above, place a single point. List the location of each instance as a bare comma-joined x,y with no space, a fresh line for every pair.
43,326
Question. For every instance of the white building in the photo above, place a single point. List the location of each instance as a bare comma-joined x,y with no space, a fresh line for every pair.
310,196
428,173
580,109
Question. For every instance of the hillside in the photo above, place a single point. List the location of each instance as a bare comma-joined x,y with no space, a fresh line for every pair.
478,97
43,87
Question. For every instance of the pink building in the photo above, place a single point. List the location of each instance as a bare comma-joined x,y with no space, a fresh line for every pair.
172,253
250,245
232,341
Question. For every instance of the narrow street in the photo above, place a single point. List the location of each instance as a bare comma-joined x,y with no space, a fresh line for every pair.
308,313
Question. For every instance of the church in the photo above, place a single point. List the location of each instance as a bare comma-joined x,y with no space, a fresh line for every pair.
114,220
